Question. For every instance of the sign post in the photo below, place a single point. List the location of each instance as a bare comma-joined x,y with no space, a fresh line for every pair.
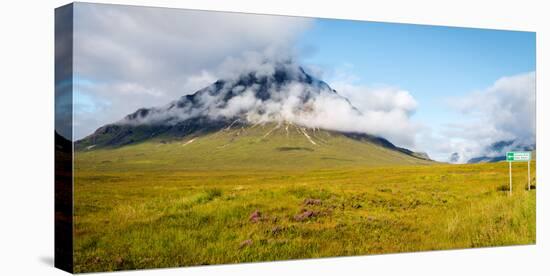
510,173
529,175
519,156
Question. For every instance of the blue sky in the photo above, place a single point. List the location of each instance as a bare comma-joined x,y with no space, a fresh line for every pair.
433,63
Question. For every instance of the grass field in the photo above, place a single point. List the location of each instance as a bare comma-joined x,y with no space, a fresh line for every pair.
142,207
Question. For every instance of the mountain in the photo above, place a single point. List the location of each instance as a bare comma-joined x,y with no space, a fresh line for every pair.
273,110
496,151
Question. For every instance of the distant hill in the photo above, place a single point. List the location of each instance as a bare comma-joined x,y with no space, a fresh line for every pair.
497,151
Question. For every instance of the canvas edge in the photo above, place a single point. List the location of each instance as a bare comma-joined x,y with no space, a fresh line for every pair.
63,237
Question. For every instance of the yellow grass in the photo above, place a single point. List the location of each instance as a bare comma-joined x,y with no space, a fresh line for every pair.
129,218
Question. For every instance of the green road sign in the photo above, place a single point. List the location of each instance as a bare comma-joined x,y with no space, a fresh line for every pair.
518,156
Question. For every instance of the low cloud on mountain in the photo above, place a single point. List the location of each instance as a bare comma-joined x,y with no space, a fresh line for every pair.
281,91
388,110
505,111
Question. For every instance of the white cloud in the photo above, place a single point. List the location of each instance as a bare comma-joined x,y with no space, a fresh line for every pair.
505,111
508,106
387,111
242,103
162,54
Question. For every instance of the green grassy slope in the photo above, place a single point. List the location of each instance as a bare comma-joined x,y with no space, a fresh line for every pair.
268,146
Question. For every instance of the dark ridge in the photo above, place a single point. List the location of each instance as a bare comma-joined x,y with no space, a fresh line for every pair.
498,146
384,143
140,113
113,136
482,159
370,138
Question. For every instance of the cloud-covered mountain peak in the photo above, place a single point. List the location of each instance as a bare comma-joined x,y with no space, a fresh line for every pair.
273,92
